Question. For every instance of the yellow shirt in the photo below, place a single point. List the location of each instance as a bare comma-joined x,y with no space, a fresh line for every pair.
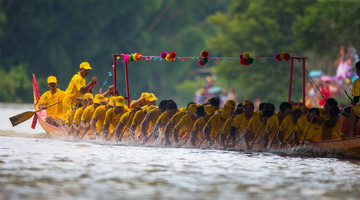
87,114
315,130
69,116
199,126
272,126
112,118
77,115
126,120
185,125
240,123
99,117
76,83
56,110
226,127
254,126
356,87
138,118
177,116
163,119
287,126
215,122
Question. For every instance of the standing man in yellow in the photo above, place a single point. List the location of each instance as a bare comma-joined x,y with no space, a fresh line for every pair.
77,86
54,113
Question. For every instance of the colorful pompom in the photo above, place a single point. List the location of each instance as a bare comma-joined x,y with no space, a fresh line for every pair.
131,57
201,63
126,58
250,61
277,57
168,58
243,61
204,54
285,56
282,56
163,55
172,55
246,55
204,60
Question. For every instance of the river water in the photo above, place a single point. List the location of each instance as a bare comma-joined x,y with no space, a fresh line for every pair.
35,166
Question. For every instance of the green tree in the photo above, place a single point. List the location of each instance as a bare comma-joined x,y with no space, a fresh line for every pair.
261,28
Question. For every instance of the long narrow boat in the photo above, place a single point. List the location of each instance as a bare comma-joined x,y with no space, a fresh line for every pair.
348,145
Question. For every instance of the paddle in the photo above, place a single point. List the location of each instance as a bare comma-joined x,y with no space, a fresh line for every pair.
20,118
287,139
307,130
352,100
257,134
126,125
276,135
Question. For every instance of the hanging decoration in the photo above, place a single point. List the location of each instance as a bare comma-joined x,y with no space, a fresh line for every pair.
245,59
282,56
204,58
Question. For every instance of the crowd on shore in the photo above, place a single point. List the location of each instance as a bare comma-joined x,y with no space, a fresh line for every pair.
107,116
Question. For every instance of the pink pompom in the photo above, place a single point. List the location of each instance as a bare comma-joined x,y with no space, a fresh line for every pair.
277,57
163,55
201,63
126,58
241,56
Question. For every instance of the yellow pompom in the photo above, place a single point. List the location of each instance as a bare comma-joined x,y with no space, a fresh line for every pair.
246,55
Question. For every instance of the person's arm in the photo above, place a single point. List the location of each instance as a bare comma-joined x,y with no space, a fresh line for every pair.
137,103
168,129
93,125
144,124
248,135
296,137
118,130
86,88
206,132
106,130
110,89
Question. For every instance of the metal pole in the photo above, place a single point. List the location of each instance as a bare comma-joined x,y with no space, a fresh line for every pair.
127,83
114,74
303,84
291,77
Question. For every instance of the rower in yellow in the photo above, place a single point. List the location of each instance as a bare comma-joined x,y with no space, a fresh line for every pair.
225,130
240,122
309,124
87,101
173,121
274,122
98,117
139,116
256,128
54,114
287,127
124,123
88,113
196,134
163,120
145,99
183,128
213,126
150,119
77,86
114,114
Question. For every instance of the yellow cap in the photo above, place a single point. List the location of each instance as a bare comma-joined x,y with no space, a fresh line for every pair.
106,99
98,98
226,111
112,101
208,99
247,102
144,94
119,101
85,65
209,109
230,103
51,79
192,108
87,96
150,97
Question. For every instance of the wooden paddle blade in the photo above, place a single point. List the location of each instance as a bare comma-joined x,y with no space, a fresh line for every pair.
20,118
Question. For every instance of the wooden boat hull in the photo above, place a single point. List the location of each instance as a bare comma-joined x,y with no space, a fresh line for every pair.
349,145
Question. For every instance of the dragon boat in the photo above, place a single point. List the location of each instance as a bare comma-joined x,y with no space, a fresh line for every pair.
350,146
